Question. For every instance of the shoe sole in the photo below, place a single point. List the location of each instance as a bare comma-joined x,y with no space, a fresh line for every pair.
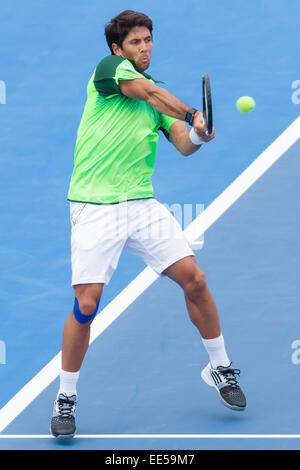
209,382
62,436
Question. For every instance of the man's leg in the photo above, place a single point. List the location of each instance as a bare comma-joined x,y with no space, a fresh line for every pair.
75,343
200,303
203,313
76,335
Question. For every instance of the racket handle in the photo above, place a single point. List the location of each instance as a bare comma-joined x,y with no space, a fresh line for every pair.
206,132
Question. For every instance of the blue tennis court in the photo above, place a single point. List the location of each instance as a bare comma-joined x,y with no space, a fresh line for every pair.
140,384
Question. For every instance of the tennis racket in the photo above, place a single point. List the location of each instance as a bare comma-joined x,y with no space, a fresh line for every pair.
207,104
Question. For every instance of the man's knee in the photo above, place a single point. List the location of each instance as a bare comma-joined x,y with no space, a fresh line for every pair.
87,306
196,286
87,298
85,309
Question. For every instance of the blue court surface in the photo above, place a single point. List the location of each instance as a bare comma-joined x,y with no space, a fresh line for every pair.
140,384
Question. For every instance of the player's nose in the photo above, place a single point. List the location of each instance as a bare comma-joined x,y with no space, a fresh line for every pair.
145,47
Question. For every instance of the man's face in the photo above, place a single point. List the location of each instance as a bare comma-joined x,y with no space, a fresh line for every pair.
137,46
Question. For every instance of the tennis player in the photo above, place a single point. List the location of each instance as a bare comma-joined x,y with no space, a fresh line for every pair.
112,206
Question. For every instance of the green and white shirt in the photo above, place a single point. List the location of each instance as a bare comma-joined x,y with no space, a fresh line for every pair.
116,139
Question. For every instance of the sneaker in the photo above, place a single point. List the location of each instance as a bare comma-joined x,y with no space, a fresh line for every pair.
225,382
63,420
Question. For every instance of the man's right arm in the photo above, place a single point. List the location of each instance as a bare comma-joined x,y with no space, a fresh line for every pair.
157,97
165,103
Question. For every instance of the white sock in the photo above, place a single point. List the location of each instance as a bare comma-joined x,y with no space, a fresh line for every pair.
215,348
68,381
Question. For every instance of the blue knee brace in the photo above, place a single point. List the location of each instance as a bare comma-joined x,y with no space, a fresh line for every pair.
79,316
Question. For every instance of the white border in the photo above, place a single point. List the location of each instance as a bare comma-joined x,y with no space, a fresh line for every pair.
117,306
156,436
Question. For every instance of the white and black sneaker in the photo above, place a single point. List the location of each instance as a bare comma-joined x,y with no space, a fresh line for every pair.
224,380
63,420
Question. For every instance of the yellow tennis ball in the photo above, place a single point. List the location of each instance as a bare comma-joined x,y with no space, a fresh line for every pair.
245,104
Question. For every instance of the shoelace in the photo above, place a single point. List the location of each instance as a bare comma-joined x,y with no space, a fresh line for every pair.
65,406
229,375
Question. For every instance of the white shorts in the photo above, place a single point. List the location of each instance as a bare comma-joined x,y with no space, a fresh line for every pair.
144,227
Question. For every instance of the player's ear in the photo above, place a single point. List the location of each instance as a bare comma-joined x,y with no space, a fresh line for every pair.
117,49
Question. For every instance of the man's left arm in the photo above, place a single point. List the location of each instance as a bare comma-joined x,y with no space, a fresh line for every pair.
179,135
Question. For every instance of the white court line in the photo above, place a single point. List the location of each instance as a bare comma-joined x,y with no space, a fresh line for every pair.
156,436
130,293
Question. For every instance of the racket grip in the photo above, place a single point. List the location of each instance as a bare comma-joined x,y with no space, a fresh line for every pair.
206,132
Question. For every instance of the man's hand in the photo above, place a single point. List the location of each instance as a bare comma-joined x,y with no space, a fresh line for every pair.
200,129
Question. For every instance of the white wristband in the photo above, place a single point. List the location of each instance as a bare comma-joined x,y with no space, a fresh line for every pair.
195,139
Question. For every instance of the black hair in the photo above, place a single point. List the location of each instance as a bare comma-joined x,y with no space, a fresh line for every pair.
118,28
